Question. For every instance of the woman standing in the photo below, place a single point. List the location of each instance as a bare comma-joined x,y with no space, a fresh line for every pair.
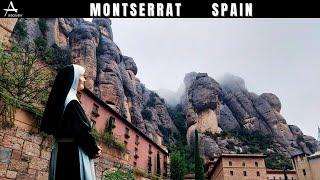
74,146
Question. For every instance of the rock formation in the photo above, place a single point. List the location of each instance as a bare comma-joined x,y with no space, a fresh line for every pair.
109,74
230,106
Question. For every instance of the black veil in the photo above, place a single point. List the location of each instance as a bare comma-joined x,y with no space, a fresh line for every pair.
52,116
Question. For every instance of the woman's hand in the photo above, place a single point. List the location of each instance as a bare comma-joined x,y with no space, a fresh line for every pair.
99,152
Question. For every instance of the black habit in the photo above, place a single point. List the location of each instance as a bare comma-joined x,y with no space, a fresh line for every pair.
74,146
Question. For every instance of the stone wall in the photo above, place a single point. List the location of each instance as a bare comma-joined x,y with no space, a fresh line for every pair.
25,153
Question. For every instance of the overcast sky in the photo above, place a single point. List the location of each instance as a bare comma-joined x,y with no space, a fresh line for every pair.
280,56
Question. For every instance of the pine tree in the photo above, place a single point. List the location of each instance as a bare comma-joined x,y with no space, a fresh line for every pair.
198,171
177,165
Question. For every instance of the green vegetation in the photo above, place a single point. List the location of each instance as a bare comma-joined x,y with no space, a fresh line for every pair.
181,154
166,132
22,74
110,125
153,98
109,140
41,46
146,114
256,143
118,174
140,173
178,165
199,170
179,119
23,81
277,161
54,56
19,31
43,26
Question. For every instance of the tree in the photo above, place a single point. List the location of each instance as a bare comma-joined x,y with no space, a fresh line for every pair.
178,165
23,75
198,171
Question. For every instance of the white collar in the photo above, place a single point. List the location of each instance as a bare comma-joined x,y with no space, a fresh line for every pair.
72,95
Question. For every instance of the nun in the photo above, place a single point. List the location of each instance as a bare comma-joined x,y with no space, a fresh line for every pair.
74,148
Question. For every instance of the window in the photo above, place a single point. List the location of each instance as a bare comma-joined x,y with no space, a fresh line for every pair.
110,124
279,178
274,178
95,110
231,173
230,163
126,134
150,149
243,164
134,163
136,156
244,173
137,140
258,173
304,172
149,164
256,164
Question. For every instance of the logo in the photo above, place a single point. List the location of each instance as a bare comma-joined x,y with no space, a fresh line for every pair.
11,9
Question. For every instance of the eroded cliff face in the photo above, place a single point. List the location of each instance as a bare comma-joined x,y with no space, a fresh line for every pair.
228,106
109,74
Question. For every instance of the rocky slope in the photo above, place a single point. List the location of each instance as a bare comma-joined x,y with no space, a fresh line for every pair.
110,74
212,107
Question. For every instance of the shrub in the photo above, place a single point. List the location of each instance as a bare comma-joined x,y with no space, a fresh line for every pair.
277,161
43,25
19,31
118,174
152,99
41,45
146,114
108,139
178,167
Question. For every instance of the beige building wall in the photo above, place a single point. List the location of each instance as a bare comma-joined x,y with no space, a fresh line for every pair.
279,175
314,162
217,173
302,167
241,167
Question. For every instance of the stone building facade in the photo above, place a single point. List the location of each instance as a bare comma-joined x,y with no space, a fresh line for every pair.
141,149
275,174
25,153
307,166
239,166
